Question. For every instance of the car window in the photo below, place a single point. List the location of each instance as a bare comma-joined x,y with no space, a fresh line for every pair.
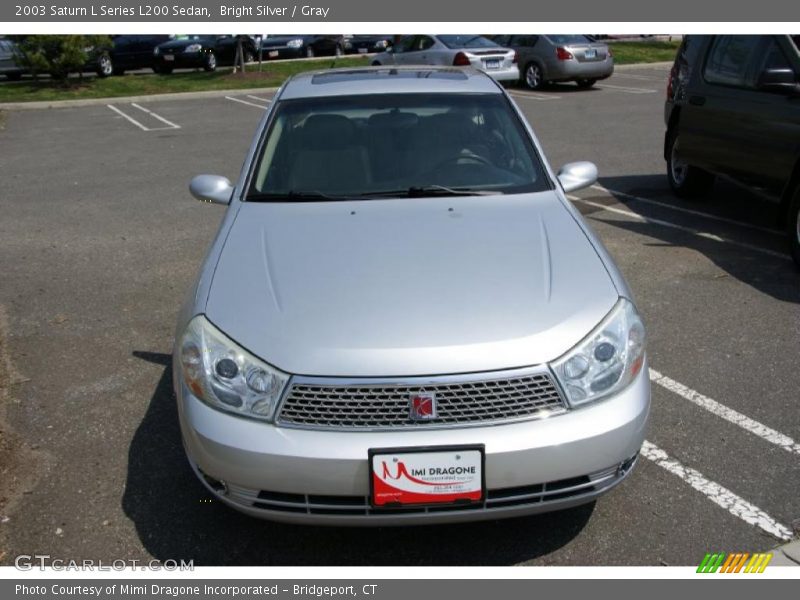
527,41
773,57
423,42
728,59
353,146
796,41
405,44
569,39
502,40
466,41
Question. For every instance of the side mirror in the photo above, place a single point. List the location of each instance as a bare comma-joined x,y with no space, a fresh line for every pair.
779,81
211,188
577,175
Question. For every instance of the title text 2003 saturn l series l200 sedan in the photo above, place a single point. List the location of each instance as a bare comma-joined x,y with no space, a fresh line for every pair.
402,319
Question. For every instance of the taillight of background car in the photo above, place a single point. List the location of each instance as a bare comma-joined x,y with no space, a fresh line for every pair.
563,54
461,60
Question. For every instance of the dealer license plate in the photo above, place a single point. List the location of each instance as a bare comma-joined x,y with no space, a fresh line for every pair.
426,476
273,54
362,50
169,57
492,64
591,53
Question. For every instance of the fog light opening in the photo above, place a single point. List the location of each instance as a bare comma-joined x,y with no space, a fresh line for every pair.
217,485
626,466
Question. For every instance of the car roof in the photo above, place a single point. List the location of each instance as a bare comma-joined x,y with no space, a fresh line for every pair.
388,80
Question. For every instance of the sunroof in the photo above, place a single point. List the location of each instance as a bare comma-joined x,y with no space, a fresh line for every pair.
376,74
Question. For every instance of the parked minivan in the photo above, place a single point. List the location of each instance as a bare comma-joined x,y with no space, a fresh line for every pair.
733,110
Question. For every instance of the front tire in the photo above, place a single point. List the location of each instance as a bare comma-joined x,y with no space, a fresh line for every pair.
533,77
210,63
687,181
585,84
105,68
794,226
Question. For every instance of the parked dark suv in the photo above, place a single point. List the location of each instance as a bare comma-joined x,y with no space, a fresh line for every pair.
733,109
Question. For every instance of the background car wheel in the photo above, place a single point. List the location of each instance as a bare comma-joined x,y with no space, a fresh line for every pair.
104,66
685,180
249,57
210,62
309,52
586,83
794,226
533,77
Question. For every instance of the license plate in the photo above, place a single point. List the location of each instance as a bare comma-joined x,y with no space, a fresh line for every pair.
362,50
426,476
492,64
169,57
590,53
273,54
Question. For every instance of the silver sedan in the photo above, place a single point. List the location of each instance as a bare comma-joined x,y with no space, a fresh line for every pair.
553,58
402,318
452,50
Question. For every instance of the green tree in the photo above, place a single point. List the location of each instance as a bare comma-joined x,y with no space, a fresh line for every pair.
59,55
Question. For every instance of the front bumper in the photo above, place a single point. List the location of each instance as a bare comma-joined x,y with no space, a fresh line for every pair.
322,477
181,60
281,52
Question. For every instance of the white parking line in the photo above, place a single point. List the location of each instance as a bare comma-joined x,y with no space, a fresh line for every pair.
131,119
697,232
155,116
730,415
684,210
625,89
259,98
534,96
719,495
232,99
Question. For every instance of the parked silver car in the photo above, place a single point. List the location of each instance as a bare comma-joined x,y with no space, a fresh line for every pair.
547,59
452,50
402,318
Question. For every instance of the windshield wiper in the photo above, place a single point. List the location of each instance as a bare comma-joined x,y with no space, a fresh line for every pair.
293,196
428,190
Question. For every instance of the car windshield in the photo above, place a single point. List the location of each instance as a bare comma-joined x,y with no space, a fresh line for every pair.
569,39
466,41
395,145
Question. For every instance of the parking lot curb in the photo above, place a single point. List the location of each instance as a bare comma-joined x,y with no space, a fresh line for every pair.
652,65
45,104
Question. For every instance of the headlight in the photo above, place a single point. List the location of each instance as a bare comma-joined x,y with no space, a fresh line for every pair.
156,51
227,377
381,44
606,360
294,43
193,48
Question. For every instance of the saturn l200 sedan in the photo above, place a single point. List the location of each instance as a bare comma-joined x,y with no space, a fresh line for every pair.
402,319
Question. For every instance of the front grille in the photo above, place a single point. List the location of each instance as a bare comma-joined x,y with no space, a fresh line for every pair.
387,406
524,496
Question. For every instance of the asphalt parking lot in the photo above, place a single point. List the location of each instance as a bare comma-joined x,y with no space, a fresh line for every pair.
100,239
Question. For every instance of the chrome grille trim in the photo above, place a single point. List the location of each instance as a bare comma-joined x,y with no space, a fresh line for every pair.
380,404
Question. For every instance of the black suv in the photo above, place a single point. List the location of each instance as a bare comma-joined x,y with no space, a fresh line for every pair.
733,109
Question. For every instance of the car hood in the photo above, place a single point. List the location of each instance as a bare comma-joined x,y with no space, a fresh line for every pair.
408,287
